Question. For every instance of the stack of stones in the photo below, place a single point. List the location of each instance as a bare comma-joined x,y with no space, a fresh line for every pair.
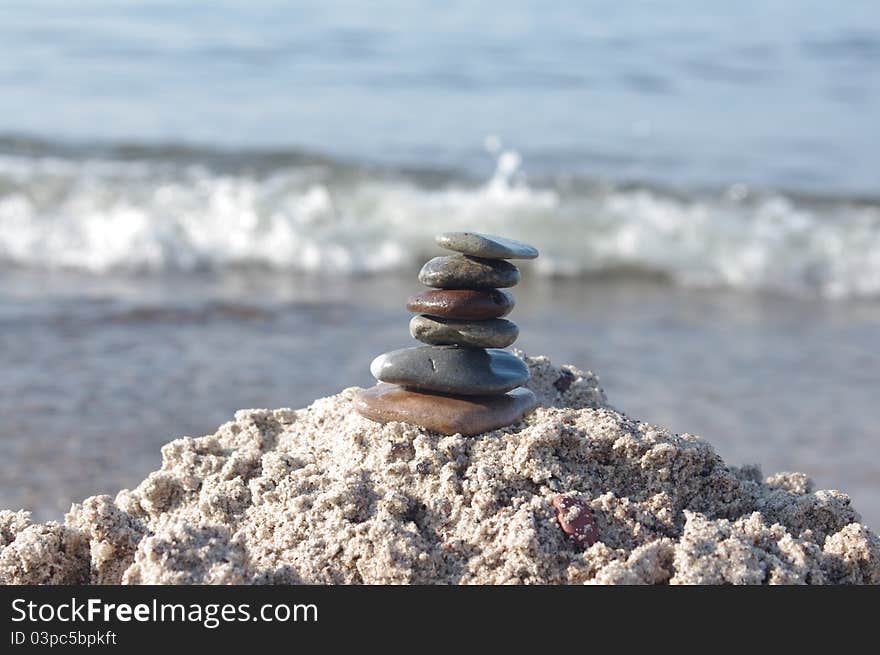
462,382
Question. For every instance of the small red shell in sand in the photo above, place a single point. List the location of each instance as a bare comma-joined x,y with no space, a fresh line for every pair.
576,520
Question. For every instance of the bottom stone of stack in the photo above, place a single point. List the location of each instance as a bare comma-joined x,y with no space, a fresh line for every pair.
467,415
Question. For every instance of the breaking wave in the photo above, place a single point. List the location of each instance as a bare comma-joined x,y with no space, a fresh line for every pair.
159,209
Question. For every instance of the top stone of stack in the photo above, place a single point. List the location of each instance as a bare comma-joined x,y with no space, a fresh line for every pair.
468,272
486,246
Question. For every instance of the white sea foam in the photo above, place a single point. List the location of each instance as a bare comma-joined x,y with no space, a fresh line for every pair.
103,215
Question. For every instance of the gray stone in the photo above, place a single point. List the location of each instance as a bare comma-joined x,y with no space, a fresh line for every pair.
463,272
494,333
451,369
489,246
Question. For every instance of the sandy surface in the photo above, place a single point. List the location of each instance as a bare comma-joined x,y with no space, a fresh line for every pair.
322,495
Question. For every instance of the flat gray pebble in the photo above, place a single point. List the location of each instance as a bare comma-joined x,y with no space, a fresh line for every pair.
464,272
489,246
493,333
451,369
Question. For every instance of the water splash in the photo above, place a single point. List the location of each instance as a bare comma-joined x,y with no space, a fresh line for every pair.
106,214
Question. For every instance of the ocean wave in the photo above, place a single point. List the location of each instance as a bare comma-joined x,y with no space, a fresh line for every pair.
107,212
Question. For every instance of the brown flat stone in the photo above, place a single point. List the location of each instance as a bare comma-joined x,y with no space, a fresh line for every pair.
467,415
487,246
462,304
576,520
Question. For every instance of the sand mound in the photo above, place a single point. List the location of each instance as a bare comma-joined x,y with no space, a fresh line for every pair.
322,495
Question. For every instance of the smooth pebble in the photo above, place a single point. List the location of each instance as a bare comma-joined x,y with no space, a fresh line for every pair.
444,414
489,246
463,272
462,304
494,333
451,369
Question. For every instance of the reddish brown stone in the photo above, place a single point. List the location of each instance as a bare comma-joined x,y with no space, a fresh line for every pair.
462,304
467,415
576,520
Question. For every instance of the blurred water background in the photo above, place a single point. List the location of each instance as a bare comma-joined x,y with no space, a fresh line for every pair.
208,206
